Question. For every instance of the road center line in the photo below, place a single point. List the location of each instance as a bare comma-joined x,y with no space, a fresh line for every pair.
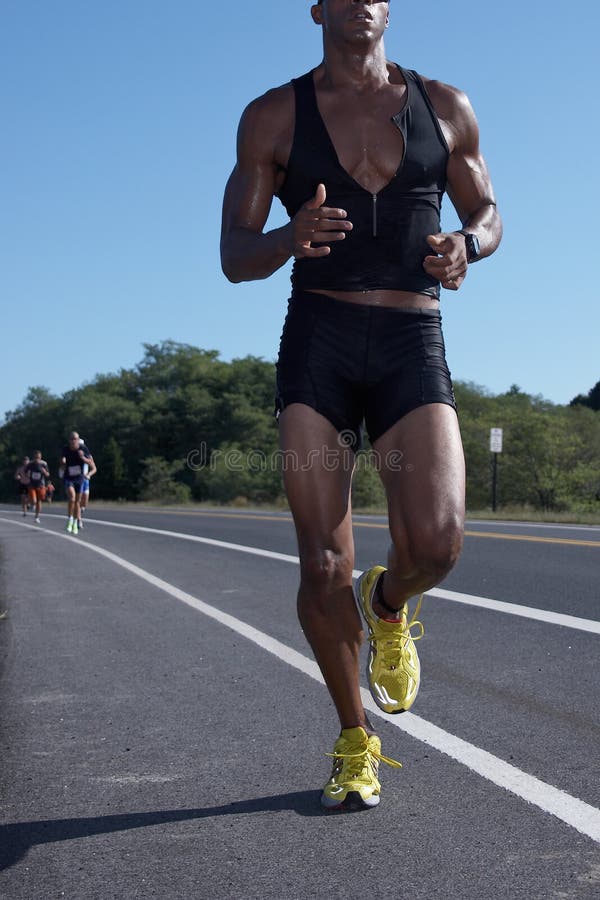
568,809
504,536
514,609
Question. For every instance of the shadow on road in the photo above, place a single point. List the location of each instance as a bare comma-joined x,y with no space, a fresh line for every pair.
17,838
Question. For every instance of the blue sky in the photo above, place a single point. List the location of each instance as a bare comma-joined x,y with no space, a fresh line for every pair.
119,122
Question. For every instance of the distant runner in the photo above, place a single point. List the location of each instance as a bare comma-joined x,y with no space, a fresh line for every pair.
89,470
38,475
73,459
22,476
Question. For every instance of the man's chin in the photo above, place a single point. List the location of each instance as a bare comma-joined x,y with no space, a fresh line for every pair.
363,33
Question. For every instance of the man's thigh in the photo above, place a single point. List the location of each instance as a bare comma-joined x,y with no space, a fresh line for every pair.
317,475
423,471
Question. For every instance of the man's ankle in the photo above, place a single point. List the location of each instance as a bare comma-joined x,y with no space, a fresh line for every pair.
366,726
381,608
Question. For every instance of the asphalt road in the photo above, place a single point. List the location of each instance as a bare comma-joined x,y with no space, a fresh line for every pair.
151,746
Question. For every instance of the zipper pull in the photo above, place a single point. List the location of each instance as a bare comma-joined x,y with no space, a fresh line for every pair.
374,215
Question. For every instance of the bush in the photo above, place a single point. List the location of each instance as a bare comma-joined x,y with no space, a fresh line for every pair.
367,489
157,482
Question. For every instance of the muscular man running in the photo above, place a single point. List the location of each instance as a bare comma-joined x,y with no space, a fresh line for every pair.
360,151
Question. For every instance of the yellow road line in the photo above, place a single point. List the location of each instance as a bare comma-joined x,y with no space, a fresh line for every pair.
534,538
198,512
500,535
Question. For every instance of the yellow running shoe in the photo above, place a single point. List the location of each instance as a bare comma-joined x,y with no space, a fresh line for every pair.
353,779
393,667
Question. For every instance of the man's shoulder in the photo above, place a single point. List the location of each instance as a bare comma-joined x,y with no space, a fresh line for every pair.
276,101
449,101
267,118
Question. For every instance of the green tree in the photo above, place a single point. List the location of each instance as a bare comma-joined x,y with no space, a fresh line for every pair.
111,480
158,482
367,489
591,399
148,426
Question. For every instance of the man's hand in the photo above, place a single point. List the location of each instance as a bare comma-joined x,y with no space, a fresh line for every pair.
315,223
450,265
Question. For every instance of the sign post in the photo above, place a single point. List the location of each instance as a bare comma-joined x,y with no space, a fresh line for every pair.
495,449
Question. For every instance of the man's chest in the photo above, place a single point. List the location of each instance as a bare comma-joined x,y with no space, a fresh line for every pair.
368,144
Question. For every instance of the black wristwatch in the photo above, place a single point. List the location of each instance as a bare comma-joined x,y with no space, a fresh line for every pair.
472,243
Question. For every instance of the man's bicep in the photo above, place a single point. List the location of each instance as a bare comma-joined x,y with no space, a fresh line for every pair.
248,196
251,185
468,181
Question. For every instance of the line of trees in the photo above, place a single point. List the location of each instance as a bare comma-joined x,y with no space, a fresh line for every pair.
185,425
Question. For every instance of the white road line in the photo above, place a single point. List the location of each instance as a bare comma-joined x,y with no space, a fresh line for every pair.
513,609
570,810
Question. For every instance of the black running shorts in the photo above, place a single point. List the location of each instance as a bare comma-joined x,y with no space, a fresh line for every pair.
353,363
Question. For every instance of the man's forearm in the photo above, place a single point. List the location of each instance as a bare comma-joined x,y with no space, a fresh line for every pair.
487,225
248,256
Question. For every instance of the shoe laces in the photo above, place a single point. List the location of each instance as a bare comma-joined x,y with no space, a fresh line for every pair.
394,650
357,756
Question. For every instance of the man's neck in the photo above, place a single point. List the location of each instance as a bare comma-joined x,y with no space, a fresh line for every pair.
355,67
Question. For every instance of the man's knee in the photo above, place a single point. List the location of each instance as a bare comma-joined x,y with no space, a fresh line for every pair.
432,549
325,570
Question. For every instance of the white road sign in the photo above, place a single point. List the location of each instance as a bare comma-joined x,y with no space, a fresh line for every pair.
496,440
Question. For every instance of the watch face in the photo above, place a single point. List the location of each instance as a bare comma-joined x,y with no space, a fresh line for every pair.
473,248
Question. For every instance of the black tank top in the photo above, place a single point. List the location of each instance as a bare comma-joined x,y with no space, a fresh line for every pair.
36,474
386,248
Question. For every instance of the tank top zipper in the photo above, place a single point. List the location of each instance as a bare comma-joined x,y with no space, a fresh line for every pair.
374,215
